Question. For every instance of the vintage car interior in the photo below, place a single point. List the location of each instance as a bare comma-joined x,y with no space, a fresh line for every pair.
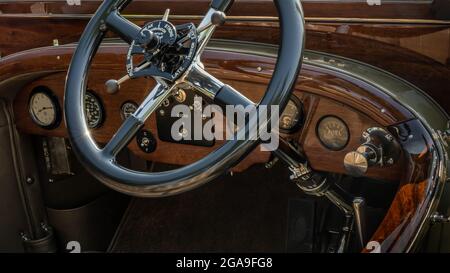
88,162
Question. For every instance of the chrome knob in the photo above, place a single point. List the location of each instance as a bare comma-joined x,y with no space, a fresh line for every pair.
358,162
379,148
112,86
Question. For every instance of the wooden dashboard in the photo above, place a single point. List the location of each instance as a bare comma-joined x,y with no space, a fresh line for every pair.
321,94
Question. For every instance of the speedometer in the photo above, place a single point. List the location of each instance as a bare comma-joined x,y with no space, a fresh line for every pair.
93,110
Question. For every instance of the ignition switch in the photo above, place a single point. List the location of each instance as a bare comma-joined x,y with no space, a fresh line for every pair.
146,141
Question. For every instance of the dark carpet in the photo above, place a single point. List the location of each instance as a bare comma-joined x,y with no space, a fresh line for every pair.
247,212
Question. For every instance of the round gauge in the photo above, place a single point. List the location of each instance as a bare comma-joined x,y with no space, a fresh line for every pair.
93,110
333,133
44,108
292,115
127,109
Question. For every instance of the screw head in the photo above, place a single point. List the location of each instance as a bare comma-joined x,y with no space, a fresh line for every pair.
29,180
103,26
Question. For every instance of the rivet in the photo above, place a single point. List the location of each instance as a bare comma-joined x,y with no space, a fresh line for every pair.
166,103
259,68
30,180
102,26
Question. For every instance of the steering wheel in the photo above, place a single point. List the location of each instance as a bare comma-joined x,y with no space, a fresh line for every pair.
156,48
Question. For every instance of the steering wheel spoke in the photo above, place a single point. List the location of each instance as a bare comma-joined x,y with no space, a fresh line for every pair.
127,30
208,85
134,122
203,82
213,18
122,137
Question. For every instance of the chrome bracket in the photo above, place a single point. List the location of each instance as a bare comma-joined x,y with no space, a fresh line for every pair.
438,218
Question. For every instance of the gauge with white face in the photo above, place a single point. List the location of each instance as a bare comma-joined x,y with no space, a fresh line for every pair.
127,109
333,133
44,108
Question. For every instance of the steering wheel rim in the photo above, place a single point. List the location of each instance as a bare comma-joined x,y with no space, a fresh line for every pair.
224,158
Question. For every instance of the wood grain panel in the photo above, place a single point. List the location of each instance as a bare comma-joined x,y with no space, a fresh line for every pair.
136,90
417,51
313,89
416,191
323,159
330,9
238,70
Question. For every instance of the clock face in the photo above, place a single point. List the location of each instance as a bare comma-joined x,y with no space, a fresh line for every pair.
43,109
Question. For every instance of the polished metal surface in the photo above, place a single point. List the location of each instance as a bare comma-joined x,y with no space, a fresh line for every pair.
207,32
134,122
356,163
359,209
152,101
202,81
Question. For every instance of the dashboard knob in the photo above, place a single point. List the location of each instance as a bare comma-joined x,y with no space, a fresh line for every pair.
112,86
379,148
149,40
358,162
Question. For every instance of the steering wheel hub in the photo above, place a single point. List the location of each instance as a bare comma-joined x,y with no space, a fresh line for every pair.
162,50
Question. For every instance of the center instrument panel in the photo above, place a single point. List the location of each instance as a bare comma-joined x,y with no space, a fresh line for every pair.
326,128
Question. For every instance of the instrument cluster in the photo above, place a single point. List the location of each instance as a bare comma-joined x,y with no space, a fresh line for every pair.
45,110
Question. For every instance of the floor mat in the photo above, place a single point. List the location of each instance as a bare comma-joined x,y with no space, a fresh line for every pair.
246,212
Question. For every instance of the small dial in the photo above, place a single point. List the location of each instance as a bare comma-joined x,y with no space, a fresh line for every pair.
333,133
127,109
291,116
44,108
93,110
